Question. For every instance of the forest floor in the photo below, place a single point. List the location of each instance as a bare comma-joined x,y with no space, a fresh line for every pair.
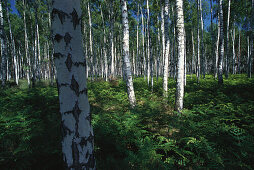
215,130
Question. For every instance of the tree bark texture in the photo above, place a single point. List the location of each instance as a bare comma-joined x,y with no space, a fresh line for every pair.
180,56
77,143
126,59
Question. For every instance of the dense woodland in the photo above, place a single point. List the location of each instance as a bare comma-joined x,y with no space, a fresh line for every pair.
169,84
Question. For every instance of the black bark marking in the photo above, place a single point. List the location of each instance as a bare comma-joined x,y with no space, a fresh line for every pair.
76,112
75,156
75,20
77,64
84,91
58,38
74,86
91,162
65,129
61,14
89,118
57,55
87,154
67,38
63,84
68,62
83,142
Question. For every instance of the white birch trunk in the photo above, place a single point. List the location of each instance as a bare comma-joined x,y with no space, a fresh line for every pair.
77,143
217,50
198,44
227,42
143,42
193,53
127,65
202,38
14,55
112,41
90,41
162,33
251,41
233,51
180,62
221,46
104,48
167,50
239,53
26,45
148,42
3,47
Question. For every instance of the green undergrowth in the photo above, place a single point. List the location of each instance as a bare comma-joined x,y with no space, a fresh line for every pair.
215,130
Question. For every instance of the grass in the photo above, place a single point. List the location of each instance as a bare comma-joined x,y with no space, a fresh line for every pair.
215,131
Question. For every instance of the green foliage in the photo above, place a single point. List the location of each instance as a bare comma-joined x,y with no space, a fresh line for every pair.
215,131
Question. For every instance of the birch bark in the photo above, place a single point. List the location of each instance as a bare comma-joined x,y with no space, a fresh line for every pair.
77,143
13,51
3,47
221,46
180,56
227,42
126,59
167,46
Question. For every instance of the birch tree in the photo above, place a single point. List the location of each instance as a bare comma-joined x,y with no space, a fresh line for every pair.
3,47
167,48
198,44
77,143
126,59
221,46
227,42
180,56
13,51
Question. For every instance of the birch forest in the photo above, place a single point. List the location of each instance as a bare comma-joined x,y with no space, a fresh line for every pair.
123,84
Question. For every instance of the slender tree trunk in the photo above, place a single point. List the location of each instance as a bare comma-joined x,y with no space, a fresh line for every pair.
193,53
167,50
202,38
162,33
198,44
148,43
127,65
185,60
104,48
143,42
12,42
212,31
37,39
91,42
3,47
158,54
217,50
233,51
248,55
251,41
180,62
77,144
137,52
227,43
221,46
26,45
239,53
112,41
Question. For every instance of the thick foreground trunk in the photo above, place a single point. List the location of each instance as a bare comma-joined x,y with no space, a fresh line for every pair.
77,143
